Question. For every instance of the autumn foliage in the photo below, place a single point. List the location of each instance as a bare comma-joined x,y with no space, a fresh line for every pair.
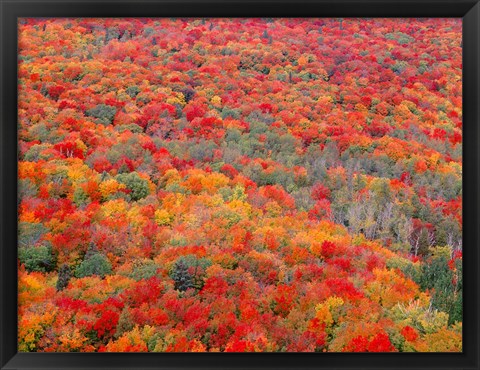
238,185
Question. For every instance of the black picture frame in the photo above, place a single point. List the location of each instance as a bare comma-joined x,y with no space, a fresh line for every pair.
10,10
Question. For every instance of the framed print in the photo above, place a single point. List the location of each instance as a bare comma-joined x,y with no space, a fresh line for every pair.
239,184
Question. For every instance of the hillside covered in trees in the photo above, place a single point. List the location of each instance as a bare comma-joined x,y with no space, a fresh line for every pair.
240,185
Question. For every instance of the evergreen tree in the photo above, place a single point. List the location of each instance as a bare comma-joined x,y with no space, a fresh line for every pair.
94,263
183,279
64,275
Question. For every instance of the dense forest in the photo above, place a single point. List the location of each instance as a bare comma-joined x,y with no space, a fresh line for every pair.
240,185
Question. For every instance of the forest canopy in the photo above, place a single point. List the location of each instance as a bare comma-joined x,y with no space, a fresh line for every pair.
219,185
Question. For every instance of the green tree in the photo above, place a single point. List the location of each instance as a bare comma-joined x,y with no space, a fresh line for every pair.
181,276
39,258
94,263
104,113
125,323
133,91
64,275
137,185
445,284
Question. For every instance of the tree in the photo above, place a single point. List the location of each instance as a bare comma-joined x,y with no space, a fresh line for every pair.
104,113
30,233
421,239
38,258
445,279
181,276
64,275
132,91
125,323
138,186
94,263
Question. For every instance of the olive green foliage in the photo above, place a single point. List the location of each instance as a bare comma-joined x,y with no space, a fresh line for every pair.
132,128
94,264
80,197
137,185
125,323
30,233
104,113
39,258
439,278
132,91
143,270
